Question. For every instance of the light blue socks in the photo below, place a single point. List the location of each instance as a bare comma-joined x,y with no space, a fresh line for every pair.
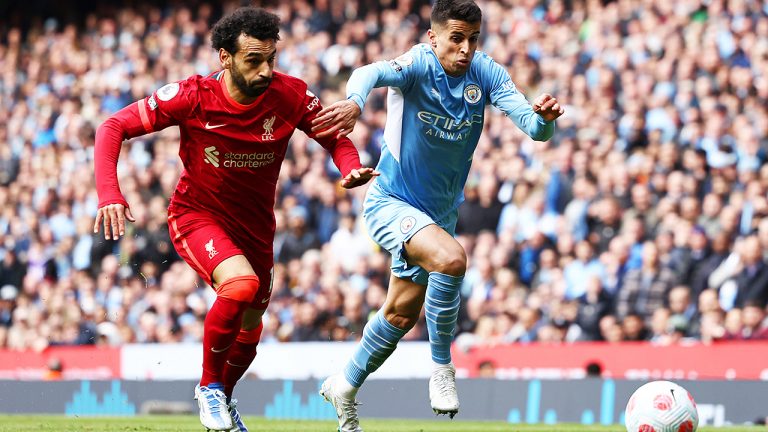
378,343
380,337
442,311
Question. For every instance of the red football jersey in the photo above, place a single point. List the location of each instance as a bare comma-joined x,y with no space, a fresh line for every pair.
231,152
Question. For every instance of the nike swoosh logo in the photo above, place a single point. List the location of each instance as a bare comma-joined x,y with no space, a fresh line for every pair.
210,126
265,300
220,350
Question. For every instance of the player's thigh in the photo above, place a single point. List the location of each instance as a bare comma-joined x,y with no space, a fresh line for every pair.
405,299
205,245
210,250
434,249
234,266
391,223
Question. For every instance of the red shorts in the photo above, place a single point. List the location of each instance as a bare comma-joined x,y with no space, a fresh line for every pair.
204,244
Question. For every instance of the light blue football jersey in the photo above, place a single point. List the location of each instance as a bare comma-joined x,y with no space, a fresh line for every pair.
434,122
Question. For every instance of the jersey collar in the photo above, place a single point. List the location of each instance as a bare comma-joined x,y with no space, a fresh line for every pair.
237,105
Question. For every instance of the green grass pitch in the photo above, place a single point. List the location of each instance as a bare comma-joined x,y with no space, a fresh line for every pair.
40,423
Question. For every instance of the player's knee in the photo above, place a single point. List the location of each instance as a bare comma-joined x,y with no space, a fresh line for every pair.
452,262
239,288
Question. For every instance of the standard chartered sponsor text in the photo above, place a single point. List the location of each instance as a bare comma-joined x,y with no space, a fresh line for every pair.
248,160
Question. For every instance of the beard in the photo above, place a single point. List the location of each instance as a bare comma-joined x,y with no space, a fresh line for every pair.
252,89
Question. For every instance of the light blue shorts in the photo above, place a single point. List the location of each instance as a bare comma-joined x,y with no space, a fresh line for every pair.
391,222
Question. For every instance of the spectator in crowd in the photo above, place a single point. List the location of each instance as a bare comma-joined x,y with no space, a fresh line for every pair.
593,369
486,369
594,304
680,303
55,369
527,326
754,325
8,294
606,223
732,324
659,326
633,327
752,281
299,239
482,208
645,289
581,269
611,330
698,279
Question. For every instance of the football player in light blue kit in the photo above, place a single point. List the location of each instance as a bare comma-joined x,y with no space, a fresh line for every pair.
436,102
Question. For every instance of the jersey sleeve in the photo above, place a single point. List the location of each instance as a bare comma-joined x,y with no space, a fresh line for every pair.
165,107
343,152
505,96
399,72
170,105
122,125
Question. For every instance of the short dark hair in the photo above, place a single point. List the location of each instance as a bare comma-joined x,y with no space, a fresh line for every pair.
251,21
461,10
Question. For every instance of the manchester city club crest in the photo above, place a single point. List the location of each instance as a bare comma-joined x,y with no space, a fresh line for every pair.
472,93
407,224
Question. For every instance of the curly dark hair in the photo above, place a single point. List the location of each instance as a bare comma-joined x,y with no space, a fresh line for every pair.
461,10
251,21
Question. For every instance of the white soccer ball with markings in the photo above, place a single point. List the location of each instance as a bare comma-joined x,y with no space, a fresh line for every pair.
661,406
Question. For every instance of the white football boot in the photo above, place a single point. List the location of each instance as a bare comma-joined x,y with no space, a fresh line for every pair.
237,421
214,412
345,404
442,390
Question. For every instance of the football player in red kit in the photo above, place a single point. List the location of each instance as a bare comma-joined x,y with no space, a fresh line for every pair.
235,125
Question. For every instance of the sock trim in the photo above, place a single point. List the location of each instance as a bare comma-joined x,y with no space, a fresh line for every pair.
389,326
239,288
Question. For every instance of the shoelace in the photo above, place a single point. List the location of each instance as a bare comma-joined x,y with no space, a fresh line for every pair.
233,410
217,398
446,386
236,415
350,412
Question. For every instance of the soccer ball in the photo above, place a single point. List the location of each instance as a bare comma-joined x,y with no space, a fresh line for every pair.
661,406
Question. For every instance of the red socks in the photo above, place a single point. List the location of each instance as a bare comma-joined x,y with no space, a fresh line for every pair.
222,324
241,356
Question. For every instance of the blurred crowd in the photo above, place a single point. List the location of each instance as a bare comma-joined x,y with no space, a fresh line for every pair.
644,218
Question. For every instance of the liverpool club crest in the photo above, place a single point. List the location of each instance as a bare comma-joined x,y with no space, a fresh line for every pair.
267,135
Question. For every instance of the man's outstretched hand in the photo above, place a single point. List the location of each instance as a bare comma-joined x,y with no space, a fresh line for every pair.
358,177
338,118
548,107
113,216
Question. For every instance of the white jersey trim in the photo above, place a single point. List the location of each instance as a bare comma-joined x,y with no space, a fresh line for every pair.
393,130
